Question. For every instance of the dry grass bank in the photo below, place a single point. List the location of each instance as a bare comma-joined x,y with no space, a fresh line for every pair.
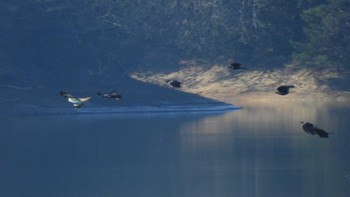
252,85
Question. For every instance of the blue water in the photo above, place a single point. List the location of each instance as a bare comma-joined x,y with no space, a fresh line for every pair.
249,152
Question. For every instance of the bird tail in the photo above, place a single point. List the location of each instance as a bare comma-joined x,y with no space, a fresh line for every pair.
85,99
77,105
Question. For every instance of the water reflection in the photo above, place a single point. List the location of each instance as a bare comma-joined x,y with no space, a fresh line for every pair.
267,153
257,151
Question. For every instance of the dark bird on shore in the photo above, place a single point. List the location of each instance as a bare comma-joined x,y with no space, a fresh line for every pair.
313,130
77,102
236,66
284,89
174,83
112,95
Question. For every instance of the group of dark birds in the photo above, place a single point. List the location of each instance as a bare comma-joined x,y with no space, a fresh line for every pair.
281,90
284,90
78,102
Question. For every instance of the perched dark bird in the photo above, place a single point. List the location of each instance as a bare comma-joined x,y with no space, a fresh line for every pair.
77,102
236,66
284,89
312,129
112,94
174,83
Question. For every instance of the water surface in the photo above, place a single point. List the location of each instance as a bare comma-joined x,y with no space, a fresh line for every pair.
249,152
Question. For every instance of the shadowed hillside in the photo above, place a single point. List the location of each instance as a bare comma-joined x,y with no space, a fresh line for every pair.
85,46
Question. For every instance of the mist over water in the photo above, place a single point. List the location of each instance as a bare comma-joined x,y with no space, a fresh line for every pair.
248,152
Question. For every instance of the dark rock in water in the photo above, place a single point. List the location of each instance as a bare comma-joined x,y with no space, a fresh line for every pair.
236,66
284,89
174,83
313,130
112,95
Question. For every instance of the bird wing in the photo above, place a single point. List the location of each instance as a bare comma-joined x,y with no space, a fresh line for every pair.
118,97
65,94
113,93
321,132
85,99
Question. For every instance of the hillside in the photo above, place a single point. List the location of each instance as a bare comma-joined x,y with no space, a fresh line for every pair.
87,46
256,84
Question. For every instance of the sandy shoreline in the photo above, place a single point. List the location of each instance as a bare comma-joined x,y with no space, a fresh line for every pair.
262,97
201,84
256,86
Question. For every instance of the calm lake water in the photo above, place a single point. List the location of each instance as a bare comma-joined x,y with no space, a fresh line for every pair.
254,152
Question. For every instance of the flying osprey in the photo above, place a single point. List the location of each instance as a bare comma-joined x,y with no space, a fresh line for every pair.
77,102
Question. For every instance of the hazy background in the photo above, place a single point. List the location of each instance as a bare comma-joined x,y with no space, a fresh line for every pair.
74,44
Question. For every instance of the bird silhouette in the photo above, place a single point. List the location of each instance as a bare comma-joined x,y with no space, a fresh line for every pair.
313,130
284,89
174,83
112,95
236,66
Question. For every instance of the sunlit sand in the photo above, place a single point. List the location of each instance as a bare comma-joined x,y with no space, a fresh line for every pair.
255,85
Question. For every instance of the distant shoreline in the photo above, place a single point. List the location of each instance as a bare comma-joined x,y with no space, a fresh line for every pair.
137,109
342,98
